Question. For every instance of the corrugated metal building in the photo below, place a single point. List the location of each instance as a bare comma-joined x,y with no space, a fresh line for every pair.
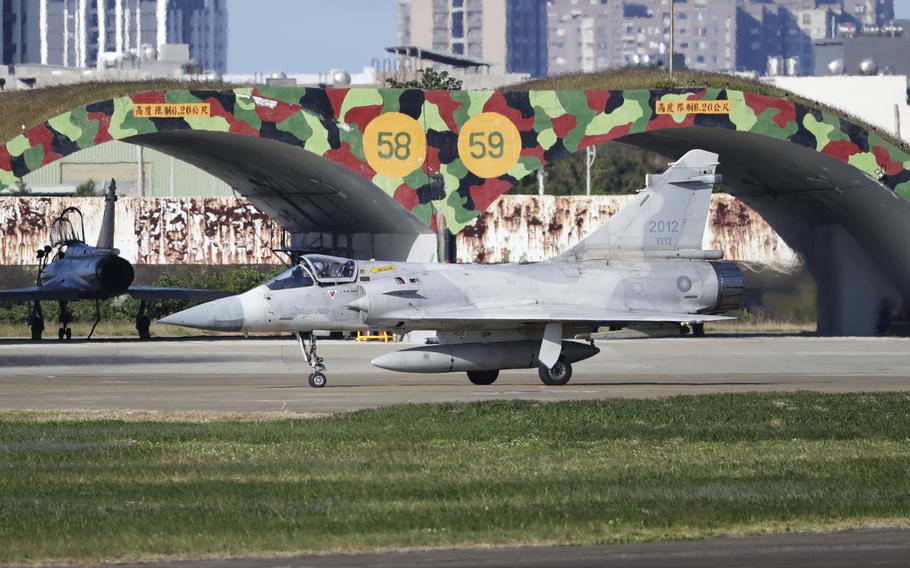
163,176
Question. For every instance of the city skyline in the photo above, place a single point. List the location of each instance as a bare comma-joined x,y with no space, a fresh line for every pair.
375,28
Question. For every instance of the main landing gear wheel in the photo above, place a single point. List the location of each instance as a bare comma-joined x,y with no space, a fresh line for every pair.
317,380
143,322
65,332
36,321
307,342
483,377
556,376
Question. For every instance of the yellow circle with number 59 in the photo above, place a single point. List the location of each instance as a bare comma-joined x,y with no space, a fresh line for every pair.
489,144
394,144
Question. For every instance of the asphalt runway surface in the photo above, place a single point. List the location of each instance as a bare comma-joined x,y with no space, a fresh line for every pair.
270,375
848,549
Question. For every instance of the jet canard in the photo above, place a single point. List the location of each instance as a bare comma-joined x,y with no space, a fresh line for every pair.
645,266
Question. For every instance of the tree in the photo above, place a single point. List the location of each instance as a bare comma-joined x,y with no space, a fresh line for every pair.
430,80
618,169
85,189
20,188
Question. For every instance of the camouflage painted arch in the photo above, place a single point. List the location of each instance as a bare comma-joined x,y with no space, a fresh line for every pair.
446,155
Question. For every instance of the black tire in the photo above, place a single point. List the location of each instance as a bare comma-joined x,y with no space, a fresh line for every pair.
698,330
317,380
483,377
68,333
36,332
61,333
143,324
557,376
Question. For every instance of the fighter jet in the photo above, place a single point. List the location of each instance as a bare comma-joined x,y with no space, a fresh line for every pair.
644,267
70,270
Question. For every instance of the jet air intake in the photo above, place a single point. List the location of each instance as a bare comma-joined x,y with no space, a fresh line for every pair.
114,275
476,356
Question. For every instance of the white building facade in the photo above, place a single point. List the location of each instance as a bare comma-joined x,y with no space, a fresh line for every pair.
96,33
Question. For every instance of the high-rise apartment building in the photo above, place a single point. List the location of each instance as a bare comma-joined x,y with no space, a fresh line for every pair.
717,35
511,35
597,34
88,33
585,35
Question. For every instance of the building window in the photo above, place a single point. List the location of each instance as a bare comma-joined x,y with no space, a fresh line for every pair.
457,3
457,24
458,48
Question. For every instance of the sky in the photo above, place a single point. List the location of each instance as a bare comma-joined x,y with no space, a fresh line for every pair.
313,36
309,36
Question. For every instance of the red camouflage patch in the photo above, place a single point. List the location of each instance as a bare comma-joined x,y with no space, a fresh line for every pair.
760,103
484,195
336,99
597,100
361,116
345,157
234,126
6,161
104,122
841,149
447,107
497,103
883,157
406,196
41,135
564,124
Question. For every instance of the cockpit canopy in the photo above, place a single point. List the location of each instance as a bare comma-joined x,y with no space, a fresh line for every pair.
68,228
331,269
296,277
316,267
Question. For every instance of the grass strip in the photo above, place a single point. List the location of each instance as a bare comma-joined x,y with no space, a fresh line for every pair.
486,473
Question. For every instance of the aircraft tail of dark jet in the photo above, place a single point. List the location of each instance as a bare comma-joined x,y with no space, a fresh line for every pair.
106,235
666,219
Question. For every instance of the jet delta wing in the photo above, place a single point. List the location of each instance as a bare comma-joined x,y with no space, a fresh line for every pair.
644,266
78,271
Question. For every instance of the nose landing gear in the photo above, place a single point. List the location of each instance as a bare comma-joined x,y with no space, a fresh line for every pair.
307,342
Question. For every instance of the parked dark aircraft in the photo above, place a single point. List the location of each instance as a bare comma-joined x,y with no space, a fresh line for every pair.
71,270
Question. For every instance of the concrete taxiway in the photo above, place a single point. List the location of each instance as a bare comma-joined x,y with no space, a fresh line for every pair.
269,374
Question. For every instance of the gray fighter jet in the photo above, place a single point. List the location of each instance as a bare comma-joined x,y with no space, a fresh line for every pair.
642,268
70,270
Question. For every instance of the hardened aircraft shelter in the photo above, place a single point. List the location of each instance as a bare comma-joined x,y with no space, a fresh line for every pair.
380,173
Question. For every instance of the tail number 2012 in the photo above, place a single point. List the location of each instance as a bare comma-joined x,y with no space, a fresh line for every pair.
663,226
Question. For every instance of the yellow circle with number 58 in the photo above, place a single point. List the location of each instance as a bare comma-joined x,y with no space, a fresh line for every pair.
394,144
489,144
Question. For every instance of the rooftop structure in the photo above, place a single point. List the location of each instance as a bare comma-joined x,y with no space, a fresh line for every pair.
511,35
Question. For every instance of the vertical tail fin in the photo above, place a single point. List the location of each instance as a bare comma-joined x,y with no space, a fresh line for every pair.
106,236
666,218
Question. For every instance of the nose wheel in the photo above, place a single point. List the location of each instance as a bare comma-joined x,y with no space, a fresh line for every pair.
307,342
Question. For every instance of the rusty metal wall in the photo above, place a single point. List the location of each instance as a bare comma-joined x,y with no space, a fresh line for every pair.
531,228
149,231
232,231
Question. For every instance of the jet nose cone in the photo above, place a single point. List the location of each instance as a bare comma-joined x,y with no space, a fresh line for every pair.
225,314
